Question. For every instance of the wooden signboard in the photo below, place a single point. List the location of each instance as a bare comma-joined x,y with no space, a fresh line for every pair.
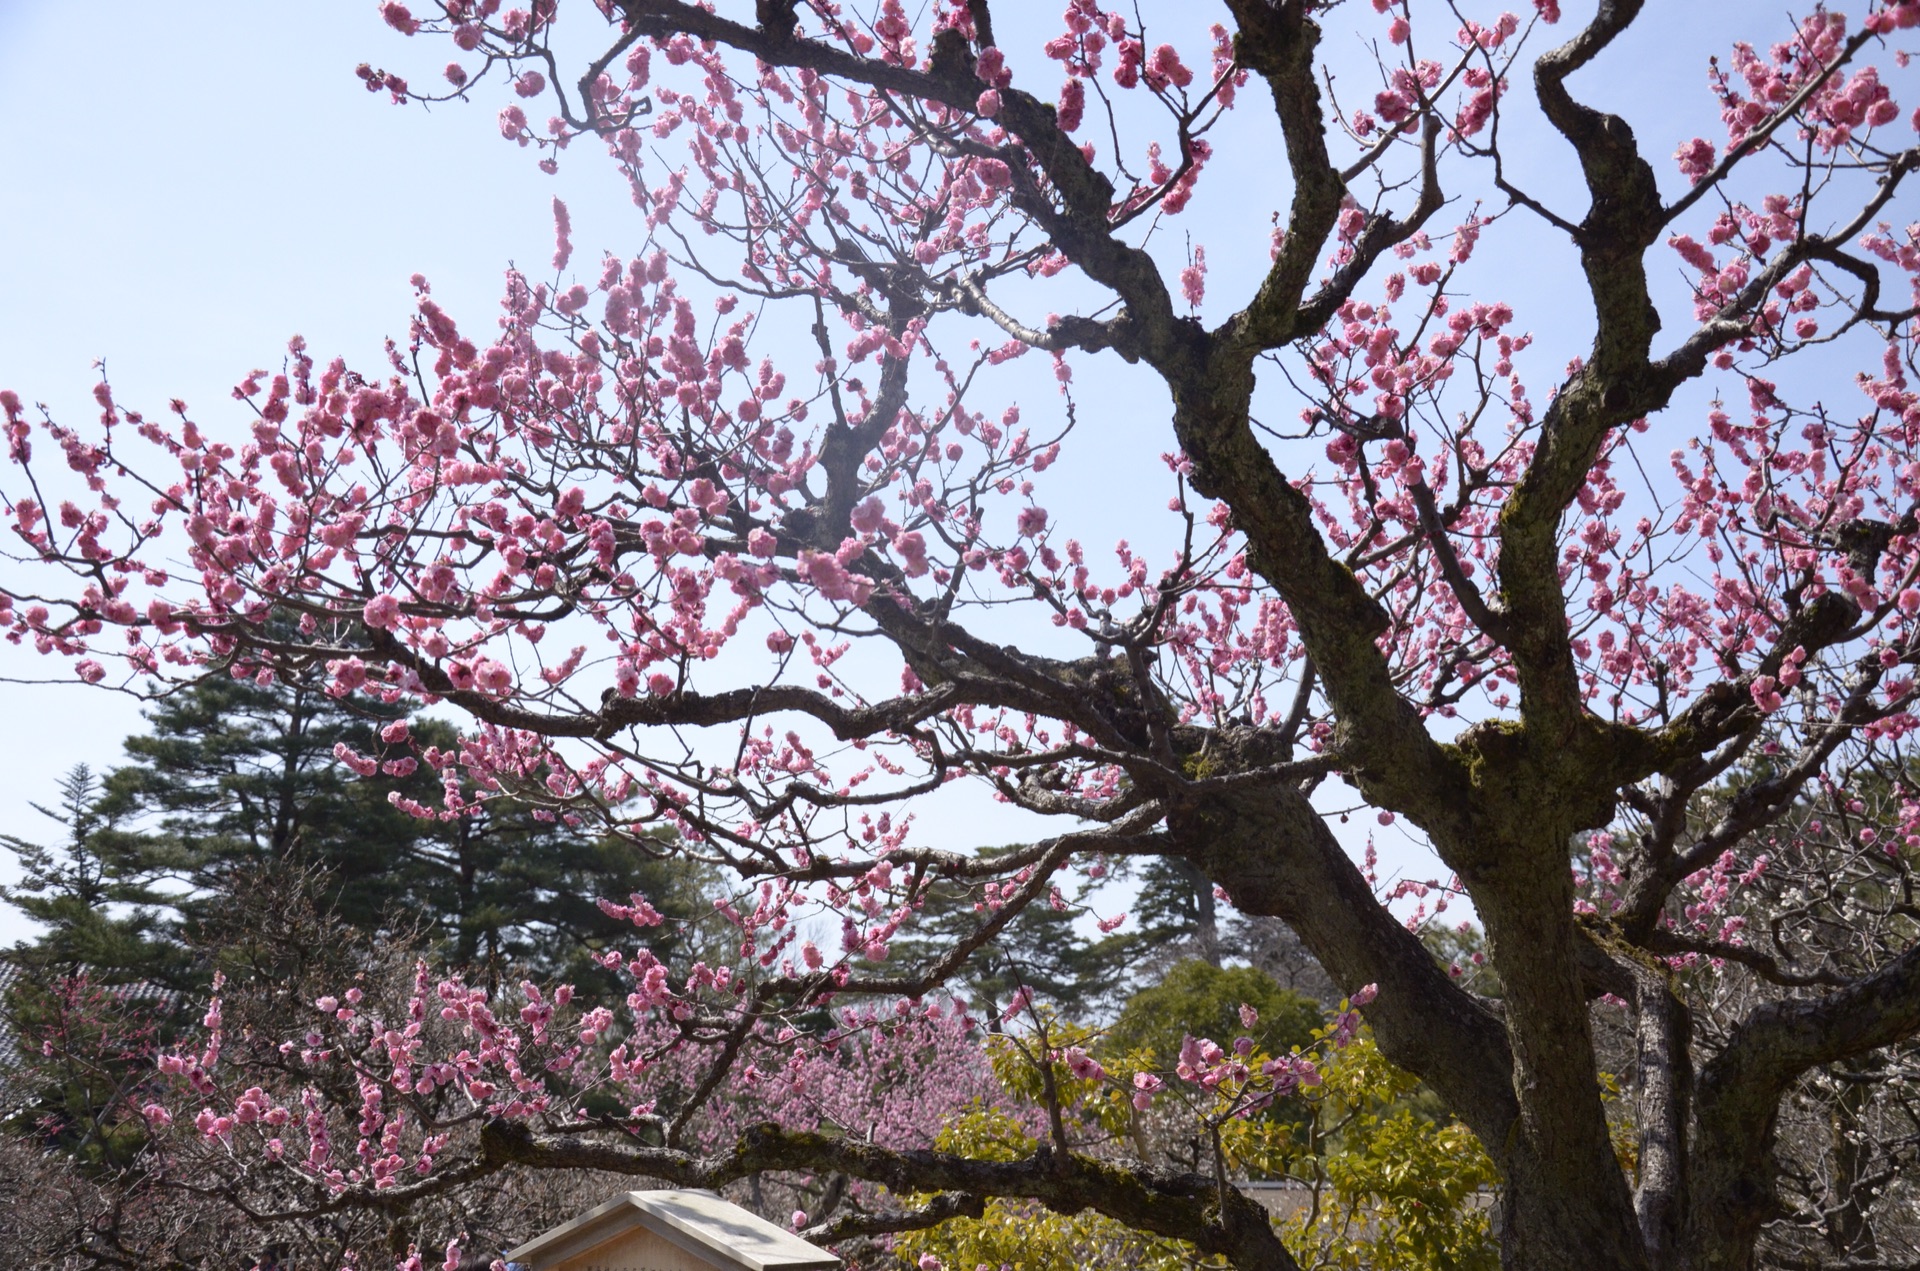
670,1231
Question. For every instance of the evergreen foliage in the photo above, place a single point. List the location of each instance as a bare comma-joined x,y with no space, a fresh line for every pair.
237,781
95,911
1040,949
1197,999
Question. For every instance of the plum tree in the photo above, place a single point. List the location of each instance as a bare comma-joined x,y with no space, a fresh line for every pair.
768,576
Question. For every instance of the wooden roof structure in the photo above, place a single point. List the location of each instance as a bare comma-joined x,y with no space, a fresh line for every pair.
670,1231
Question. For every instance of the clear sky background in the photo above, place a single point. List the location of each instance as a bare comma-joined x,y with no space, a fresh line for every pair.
184,186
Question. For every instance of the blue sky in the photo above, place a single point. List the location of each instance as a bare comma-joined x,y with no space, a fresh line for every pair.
184,186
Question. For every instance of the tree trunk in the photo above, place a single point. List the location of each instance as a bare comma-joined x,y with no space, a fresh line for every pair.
1206,925
1567,1201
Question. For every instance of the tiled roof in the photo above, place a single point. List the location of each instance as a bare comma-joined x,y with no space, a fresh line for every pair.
13,975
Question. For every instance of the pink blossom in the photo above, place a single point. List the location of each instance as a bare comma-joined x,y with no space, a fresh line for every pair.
911,548
1145,1086
1017,1003
562,222
867,515
1696,158
1072,105
1693,253
1083,1066
991,66
1199,1060
382,612
1165,67
1193,279
492,678
397,17
987,105
833,580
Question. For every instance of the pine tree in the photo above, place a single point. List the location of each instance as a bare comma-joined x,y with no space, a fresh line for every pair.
1040,949
1176,912
84,1004
509,888
237,775
237,786
99,910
